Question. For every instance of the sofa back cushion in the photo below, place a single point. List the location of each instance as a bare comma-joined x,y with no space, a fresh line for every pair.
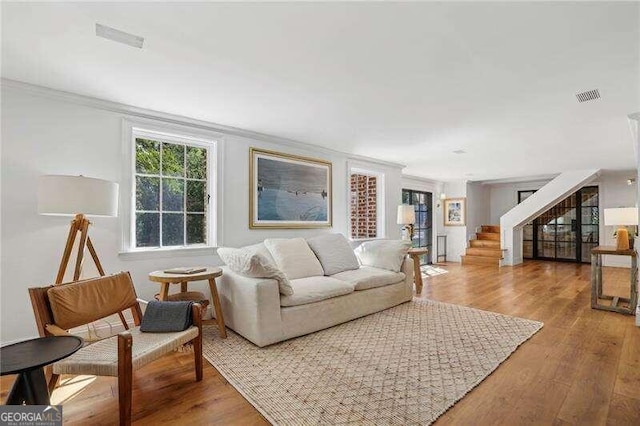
255,262
383,254
294,257
334,253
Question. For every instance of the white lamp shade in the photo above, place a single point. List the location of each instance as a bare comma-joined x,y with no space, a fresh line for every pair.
406,214
622,216
69,195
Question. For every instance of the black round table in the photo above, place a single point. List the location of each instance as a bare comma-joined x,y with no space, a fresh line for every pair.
28,359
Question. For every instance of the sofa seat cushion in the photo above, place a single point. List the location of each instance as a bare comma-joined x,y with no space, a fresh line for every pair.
314,289
367,277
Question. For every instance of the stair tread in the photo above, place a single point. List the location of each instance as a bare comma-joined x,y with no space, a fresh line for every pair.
480,260
485,252
485,243
494,236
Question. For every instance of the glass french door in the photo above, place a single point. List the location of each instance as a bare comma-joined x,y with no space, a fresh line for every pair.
567,231
423,229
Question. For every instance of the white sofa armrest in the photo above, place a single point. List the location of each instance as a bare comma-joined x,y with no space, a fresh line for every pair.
251,306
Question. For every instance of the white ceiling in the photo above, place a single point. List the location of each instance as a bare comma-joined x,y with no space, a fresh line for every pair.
406,82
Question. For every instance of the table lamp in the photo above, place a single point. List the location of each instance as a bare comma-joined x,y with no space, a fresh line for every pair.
621,217
406,217
77,196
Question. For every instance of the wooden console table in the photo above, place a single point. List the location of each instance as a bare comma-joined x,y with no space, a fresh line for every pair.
596,281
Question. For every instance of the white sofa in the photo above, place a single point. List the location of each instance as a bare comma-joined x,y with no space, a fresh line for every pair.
256,309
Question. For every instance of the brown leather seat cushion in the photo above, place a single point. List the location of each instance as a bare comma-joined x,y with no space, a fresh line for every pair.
86,301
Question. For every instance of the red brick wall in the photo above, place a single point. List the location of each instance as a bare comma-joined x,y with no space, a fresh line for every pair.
364,199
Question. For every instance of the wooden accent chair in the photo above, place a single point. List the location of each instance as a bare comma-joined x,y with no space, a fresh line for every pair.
61,307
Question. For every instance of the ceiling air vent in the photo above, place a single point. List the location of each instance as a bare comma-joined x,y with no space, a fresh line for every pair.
119,36
589,95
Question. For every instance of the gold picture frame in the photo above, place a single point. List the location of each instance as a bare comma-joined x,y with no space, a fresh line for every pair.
455,211
289,191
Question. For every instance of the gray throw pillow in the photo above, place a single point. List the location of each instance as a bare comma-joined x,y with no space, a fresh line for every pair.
334,253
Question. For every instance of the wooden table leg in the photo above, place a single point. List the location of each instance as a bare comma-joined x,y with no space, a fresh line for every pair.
417,274
217,307
164,291
599,274
183,287
594,280
633,299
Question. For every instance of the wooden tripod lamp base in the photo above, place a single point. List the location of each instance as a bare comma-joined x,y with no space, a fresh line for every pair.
79,225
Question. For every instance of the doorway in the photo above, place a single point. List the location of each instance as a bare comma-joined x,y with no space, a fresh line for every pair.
567,231
423,229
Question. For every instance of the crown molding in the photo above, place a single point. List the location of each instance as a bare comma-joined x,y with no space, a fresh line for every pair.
134,111
521,179
422,179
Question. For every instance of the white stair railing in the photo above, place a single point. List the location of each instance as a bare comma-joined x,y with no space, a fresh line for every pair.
511,223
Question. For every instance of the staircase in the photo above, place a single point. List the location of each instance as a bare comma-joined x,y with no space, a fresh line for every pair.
485,249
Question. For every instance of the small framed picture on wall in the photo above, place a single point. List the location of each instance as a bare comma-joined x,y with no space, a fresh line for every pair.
455,211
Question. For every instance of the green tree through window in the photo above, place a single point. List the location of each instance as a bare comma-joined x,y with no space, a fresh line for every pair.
171,198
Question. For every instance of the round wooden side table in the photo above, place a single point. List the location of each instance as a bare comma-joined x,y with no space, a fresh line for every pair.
28,359
210,274
415,254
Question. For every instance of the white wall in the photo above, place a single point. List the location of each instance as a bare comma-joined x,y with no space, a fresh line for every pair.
456,235
613,190
44,134
504,196
479,207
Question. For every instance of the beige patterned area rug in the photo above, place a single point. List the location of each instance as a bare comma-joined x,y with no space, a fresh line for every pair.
405,365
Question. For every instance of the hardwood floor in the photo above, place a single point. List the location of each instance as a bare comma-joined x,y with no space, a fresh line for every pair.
583,367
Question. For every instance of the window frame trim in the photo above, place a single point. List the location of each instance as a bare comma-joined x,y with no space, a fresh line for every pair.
170,133
363,169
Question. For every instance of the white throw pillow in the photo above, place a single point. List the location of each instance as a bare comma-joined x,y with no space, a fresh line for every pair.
251,262
383,254
334,252
294,257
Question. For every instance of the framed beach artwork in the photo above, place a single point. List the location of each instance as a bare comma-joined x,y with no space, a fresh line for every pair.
455,211
288,191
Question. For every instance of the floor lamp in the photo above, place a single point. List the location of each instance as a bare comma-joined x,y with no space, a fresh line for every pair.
77,196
